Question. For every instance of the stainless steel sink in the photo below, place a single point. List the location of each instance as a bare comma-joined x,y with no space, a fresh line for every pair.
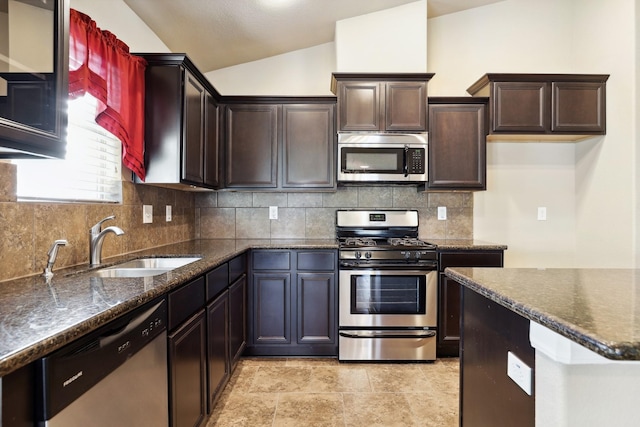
144,267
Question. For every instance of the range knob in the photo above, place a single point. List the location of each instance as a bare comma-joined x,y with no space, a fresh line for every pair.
358,254
407,255
367,255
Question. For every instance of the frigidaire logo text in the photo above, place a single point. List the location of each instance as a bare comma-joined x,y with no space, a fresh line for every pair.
72,379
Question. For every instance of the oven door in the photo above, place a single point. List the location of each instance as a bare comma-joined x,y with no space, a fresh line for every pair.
387,298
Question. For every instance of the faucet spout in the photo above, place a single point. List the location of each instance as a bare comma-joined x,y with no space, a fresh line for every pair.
53,253
96,238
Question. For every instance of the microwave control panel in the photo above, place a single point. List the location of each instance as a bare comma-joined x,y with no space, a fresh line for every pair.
415,160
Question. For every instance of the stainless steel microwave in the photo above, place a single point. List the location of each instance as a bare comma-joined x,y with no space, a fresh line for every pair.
384,158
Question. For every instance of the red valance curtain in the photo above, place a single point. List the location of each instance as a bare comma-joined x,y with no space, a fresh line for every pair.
101,65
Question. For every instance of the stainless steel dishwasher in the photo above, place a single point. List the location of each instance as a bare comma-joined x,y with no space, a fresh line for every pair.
116,376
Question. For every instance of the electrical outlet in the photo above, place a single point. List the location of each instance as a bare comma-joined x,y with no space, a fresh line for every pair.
519,372
442,213
273,212
542,213
147,214
168,213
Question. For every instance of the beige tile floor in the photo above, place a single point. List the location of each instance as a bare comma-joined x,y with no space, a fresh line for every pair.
323,392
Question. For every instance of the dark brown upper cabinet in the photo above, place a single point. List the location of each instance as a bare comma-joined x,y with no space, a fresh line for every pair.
280,143
544,106
181,124
457,143
33,111
381,102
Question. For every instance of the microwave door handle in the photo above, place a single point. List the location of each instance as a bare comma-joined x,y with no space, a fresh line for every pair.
405,156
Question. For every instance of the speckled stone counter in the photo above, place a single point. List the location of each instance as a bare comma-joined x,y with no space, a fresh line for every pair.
596,308
37,317
466,244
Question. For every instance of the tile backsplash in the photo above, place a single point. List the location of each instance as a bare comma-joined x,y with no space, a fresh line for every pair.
229,215
28,229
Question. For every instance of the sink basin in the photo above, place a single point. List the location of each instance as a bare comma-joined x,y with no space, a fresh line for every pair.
144,267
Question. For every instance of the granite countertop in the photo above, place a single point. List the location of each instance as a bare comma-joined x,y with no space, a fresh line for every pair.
596,308
466,244
37,317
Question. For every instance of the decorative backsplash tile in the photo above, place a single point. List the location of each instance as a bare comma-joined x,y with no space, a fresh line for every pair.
312,215
27,230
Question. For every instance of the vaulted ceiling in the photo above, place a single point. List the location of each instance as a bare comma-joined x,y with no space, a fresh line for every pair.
221,33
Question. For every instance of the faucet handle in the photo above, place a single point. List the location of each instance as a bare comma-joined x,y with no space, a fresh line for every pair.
96,228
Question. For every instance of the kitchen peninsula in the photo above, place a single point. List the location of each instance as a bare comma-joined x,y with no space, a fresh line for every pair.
578,330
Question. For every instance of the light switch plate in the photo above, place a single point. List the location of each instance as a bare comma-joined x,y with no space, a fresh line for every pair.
442,213
519,372
273,212
542,213
147,214
168,213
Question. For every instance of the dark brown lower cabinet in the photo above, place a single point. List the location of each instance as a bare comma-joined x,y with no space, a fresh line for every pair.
292,303
237,319
316,315
488,397
187,372
449,294
18,398
218,365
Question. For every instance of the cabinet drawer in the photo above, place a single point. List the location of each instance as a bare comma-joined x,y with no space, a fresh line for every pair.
217,281
184,302
317,260
237,267
271,260
471,259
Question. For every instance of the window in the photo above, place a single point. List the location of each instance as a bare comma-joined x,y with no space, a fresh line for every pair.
91,171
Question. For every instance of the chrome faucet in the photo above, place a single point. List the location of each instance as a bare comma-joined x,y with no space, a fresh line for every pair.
96,237
53,253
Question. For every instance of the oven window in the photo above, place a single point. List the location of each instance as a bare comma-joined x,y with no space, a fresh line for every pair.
361,160
388,294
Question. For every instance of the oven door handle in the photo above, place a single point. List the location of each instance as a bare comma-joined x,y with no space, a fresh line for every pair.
387,334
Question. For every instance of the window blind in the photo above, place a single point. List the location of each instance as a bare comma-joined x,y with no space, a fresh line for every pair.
91,170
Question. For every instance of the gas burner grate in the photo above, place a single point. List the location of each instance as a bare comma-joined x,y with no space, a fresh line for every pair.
406,241
358,241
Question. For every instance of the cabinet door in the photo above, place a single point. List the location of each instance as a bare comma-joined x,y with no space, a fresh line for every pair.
308,134
237,319
578,107
316,308
457,146
217,345
251,146
33,105
449,315
449,295
211,143
193,130
271,308
187,372
406,106
359,108
520,107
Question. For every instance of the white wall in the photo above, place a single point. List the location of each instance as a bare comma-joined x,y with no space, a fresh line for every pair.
117,17
398,35
392,40
578,183
301,72
606,170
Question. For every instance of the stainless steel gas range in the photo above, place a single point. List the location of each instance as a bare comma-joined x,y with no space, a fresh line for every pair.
387,287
